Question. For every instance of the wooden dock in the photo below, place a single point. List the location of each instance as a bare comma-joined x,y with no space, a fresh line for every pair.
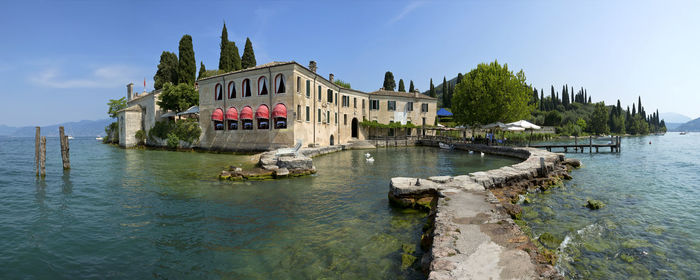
580,147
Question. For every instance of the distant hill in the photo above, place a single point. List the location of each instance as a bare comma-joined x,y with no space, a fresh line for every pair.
80,128
693,125
438,89
671,117
672,126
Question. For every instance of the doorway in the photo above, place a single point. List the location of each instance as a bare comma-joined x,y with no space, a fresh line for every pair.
355,128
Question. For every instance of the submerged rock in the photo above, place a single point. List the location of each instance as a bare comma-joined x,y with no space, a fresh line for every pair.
407,260
548,240
594,204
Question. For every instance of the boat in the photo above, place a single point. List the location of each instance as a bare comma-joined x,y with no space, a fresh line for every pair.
684,133
70,137
98,138
446,146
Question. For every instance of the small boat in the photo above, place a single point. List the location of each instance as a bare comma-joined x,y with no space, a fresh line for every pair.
70,137
98,138
684,133
446,146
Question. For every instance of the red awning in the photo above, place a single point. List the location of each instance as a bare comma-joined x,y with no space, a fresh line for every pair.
232,114
280,111
247,113
217,115
263,112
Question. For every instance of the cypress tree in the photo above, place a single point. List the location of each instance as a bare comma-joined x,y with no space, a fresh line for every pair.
202,70
389,83
167,70
459,78
589,100
235,57
634,110
553,99
248,59
432,88
542,99
187,66
411,88
445,94
639,108
619,108
450,93
402,88
224,58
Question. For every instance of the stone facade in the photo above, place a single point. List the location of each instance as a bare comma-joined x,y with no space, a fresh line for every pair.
319,113
141,113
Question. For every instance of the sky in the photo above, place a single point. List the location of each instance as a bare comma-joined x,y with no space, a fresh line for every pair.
62,61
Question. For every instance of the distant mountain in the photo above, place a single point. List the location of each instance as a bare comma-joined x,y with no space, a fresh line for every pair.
438,89
671,117
693,125
673,126
80,128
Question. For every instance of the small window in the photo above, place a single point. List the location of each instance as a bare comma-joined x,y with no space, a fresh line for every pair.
232,125
246,88
247,118
345,119
330,95
336,98
336,117
262,115
280,86
363,104
217,118
279,116
232,118
409,106
262,86
424,107
308,114
308,88
298,112
218,94
328,116
374,104
319,115
231,90
299,84
391,105
319,93
354,102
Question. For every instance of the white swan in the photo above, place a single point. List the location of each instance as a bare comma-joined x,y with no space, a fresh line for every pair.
369,159
482,154
367,155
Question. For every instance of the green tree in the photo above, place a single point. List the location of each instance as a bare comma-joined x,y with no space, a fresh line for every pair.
389,83
167,70
552,118
235,57
411,88
491,93
445,94
248,59
178,98
115,105
341,83
402,88
432,88
459,78
187,66
224,55
599,119
202,70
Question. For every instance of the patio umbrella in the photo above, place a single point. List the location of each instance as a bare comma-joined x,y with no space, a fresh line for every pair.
525,125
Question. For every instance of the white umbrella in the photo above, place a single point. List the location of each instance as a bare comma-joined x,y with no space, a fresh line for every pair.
524,124
494,125
514,128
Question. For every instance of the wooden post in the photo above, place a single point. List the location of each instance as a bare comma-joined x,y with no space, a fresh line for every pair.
42,157
37,149
576,143
543,168
590,144
64,148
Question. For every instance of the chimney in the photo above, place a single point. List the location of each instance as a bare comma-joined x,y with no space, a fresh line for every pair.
330,77
129,91
312,66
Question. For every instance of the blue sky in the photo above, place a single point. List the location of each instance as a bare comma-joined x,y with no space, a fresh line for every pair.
62,61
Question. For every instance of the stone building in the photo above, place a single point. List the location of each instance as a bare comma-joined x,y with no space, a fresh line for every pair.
275,104
141,113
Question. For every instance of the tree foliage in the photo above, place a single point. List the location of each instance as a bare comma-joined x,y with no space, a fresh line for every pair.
432,89
491,93
599,119
411,88
115,105
167,70
232,50
187,66
202,70
341,83
178,98
389,83
224,58
248,59
402,87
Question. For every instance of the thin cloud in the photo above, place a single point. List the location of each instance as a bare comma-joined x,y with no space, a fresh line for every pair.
406,10
103,77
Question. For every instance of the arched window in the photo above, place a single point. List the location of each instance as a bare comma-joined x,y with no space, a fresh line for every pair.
218,94
247,118
262,86
217,118
231,90
232,118
279,115
280,84
262,115
246,88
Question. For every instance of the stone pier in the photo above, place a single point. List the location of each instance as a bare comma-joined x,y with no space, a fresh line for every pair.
473,234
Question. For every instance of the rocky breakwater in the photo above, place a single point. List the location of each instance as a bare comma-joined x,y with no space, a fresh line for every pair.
276,164
472,232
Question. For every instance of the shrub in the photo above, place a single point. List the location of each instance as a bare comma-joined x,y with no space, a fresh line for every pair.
552,118
188,130
140,136
173,141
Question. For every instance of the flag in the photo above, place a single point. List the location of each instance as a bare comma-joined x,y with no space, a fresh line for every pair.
144,83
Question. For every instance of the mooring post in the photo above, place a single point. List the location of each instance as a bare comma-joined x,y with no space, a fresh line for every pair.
590,144
37,147
576,143
42,157
64,148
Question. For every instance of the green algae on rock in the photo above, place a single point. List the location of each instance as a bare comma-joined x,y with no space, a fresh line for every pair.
594,204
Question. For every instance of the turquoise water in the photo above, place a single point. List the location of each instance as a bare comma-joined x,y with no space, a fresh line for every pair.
650,226
128,214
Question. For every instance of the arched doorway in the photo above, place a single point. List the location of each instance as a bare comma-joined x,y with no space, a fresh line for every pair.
355,128
331,139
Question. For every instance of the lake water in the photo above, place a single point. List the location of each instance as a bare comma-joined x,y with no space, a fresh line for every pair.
650,226
129,214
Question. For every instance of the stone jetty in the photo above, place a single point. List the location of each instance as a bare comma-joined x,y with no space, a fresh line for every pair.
272,165
471,232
